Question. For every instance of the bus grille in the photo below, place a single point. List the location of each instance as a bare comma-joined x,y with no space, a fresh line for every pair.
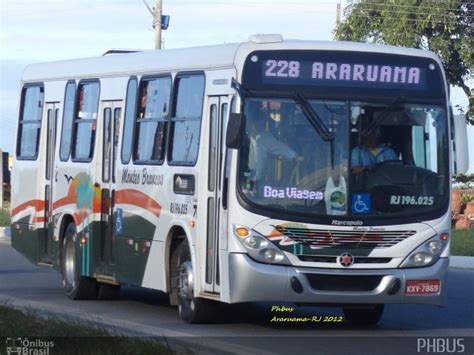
321,239
333,259
344,283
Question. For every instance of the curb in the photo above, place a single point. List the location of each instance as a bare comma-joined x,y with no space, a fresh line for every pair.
178,340
5,232
461,262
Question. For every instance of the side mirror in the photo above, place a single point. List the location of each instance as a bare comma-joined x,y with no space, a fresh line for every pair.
234,130
461,154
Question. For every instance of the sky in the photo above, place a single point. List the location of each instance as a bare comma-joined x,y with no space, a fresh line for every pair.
34,31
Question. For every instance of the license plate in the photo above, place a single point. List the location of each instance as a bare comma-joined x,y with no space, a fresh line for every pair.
424,287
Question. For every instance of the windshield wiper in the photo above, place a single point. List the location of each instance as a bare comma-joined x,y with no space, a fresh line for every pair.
383,115
313,118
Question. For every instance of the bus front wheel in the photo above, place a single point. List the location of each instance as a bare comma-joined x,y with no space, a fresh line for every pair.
364,316
191,309
77,287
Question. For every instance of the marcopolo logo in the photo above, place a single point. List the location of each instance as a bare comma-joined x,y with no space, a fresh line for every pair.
440,345
26,346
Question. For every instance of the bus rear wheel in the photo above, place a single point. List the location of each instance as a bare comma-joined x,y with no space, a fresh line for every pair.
191,309
364,316
77,287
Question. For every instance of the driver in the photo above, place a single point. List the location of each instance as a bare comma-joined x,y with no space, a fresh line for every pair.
264,144
370,153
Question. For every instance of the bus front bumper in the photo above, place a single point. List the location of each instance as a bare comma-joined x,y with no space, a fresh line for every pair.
251,281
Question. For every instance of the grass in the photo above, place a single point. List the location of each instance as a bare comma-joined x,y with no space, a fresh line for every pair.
5,210
4,217
462,242
73,338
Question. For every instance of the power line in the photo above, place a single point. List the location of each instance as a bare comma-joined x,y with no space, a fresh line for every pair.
388,9
434,4
414,20
413,12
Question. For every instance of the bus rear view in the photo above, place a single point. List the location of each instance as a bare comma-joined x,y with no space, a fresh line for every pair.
342,179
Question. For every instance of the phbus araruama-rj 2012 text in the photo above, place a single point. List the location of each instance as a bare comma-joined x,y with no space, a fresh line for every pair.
294,171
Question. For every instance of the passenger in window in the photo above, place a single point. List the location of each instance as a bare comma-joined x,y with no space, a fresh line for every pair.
143,101
274,110
370,152
262,145
80,111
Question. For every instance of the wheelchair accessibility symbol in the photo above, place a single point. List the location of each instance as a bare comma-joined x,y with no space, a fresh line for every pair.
361,203
118,221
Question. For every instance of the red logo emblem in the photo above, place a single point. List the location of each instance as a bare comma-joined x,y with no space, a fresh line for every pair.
346,259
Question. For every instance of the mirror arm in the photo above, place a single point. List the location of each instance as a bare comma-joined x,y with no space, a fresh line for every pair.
238,87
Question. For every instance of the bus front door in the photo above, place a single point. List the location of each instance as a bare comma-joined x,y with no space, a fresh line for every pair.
46,238
216,213
111,115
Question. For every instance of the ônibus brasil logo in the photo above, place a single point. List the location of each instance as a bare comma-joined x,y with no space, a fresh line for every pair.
20,346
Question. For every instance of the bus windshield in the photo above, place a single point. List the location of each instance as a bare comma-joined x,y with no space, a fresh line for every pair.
323,157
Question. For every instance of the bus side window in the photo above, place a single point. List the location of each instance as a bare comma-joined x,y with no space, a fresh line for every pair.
130,108
152,119
186,120
85,121
106,151
68,114
30,122
116,125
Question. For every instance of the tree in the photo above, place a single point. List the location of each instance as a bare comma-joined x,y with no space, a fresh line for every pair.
442,26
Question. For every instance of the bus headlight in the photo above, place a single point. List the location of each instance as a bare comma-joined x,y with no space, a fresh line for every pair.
260,248
427,253
255,242
421,259
435,247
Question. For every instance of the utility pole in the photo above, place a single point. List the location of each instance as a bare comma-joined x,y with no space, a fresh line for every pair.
157,24
338,13
160,22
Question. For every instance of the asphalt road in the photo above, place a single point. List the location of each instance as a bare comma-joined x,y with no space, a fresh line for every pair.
244,328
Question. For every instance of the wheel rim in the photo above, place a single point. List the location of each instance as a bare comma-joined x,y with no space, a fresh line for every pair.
70,262
186,285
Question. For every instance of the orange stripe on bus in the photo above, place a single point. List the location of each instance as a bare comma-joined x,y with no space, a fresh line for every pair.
37,204
139,199
71,199
68,200
40,219
78,218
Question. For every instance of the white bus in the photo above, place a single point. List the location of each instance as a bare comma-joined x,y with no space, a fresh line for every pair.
295,171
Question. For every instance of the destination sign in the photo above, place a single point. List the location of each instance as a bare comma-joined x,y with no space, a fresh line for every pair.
339,73
321,73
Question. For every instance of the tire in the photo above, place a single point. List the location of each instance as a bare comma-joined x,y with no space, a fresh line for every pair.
108,292
364,316
191,309
77,287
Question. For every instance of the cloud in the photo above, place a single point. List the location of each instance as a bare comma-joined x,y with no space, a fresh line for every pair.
54,30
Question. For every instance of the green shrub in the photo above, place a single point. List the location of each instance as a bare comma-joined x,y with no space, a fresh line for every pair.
7,194
462,242
466,198
4,217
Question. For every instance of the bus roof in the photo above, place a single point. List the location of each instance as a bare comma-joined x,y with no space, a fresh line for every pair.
193,58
